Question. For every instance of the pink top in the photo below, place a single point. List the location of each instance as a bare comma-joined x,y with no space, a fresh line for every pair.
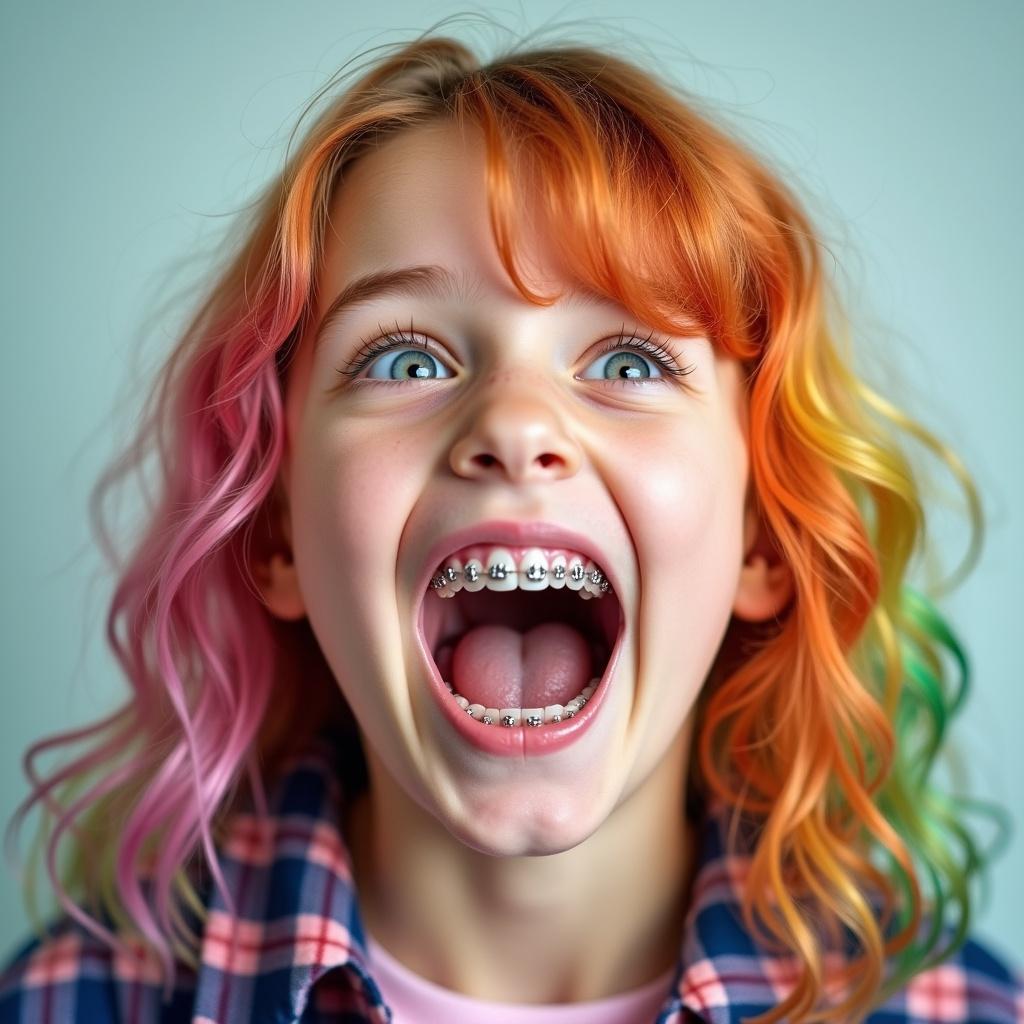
415,1000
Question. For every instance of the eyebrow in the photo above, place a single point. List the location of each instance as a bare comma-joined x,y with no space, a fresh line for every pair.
427,280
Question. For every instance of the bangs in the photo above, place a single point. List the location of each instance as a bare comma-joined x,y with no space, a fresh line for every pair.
630,210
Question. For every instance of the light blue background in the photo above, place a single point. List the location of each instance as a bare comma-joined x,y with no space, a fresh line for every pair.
128,130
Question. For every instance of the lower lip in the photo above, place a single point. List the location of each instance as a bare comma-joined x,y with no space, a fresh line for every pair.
520,740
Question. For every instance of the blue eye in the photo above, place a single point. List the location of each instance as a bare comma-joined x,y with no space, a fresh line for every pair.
407,364
404,357
625,366
621,365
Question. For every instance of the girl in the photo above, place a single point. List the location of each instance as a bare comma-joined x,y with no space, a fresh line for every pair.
521,633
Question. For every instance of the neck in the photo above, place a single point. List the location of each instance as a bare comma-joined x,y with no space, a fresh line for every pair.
599,919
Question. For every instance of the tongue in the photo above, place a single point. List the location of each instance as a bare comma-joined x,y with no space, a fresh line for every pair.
499,667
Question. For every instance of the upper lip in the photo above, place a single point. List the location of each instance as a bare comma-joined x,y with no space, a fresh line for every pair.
515,532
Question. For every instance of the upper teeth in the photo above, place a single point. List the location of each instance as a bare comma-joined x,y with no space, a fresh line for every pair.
498,568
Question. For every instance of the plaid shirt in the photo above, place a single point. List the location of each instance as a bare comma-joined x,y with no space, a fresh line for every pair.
300,951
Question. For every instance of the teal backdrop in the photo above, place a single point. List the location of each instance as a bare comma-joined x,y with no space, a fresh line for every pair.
132,131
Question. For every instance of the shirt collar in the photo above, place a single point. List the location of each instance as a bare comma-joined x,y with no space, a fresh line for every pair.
295,916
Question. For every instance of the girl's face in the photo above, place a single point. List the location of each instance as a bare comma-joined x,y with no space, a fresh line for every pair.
523,416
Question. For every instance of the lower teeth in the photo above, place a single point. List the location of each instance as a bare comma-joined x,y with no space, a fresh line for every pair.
533,717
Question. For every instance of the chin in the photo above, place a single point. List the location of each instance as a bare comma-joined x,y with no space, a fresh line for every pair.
527,826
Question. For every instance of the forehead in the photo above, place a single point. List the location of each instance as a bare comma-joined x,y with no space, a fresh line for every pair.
421,198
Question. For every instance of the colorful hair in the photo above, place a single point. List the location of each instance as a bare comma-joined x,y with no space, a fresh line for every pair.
822,726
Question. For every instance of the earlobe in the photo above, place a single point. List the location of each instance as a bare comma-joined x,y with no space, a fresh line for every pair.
765,585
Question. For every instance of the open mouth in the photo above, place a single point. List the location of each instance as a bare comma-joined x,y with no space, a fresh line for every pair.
521,656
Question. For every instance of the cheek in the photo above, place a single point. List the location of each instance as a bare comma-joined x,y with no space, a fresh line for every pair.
351,494
367,481
355,482
690,521
683,502
683,486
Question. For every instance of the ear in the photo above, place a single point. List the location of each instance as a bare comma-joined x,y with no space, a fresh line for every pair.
273,565
766,582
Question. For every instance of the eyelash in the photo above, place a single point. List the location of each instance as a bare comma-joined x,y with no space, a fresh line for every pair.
369,350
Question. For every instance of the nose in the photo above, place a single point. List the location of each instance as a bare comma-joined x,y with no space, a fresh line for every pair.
515,434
